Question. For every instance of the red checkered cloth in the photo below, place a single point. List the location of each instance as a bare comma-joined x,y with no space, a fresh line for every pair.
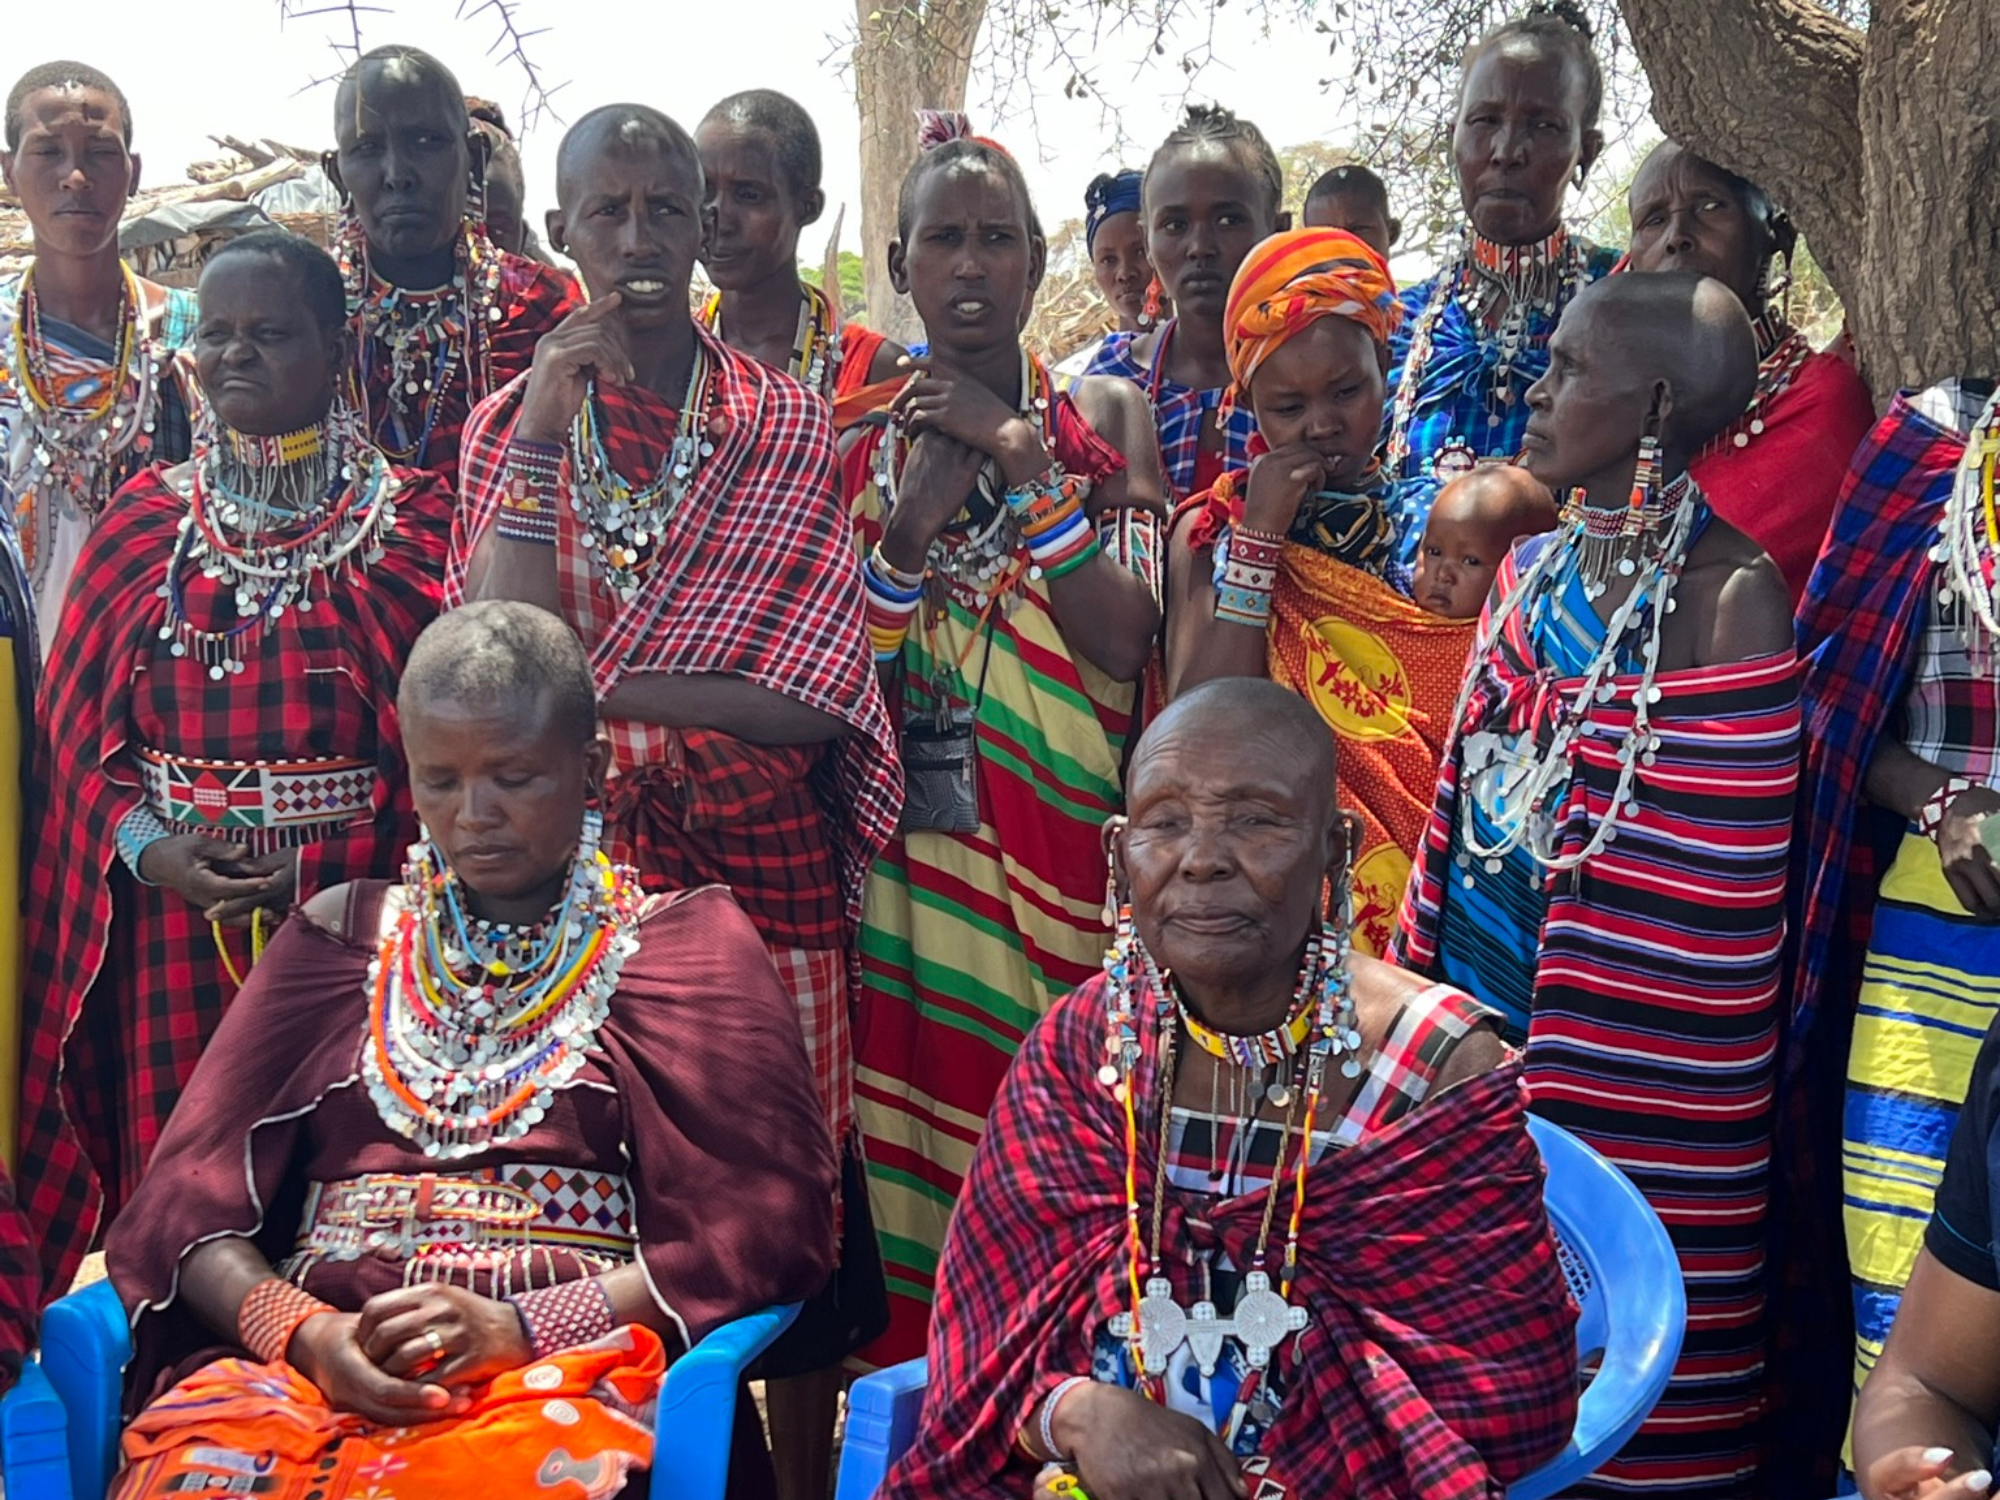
1441,1356
533,299
118,1007
20,1284
817,979
756,578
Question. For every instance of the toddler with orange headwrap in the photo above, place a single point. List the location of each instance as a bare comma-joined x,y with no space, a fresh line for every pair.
1288,569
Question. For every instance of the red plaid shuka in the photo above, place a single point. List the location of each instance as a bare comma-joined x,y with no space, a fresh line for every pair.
20,1284
533,299
755,579
124,982
1441,1357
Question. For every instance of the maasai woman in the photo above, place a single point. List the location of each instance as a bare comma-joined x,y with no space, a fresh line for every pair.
1240,1115
1902,690
1283,570
1775,472
219,732
442,317
89,392
677,502
1476,335
760,161
1212,191
1115,240
1606,864
1010,534
381,1269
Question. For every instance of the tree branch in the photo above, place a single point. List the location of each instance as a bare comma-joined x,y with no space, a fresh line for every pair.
1770,89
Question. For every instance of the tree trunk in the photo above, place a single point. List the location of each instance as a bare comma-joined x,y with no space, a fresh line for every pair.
910,55
1883,146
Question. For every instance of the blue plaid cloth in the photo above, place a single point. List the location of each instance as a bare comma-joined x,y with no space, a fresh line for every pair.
1177,410
1455,398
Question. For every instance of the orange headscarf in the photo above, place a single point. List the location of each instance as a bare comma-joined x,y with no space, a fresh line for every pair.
1294,279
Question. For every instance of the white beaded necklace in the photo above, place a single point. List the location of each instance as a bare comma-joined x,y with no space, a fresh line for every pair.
1968,545
1529,789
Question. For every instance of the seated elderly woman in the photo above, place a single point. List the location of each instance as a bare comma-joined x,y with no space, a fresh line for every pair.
1923,1428
1227,1232
468,1149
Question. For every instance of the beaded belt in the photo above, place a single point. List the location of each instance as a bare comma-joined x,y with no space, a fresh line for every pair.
498,1210
265,805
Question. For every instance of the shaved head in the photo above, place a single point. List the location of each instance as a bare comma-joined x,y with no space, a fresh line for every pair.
402,65
1682,328
1238,709
1499,498
629,128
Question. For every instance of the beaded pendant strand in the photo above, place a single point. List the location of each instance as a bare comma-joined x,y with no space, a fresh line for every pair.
1530,789
472,1027
80,442
1968,541
816,350
272,519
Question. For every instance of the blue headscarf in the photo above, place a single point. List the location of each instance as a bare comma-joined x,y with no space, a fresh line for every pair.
1109,194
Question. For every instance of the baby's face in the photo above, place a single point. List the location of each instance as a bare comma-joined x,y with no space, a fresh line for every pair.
1456,563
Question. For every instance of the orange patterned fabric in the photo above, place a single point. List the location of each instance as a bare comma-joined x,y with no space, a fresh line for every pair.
569,1427
1384,674
1291,281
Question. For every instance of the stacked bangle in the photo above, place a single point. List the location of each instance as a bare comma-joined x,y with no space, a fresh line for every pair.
1246,572
530,485
1931,818
1049,1406
1049,513
893,596
271,1314
565,1316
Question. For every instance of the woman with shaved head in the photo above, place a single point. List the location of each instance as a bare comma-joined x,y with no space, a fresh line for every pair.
1606,865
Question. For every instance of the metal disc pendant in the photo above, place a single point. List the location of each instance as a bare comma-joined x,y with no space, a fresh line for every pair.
1279,1095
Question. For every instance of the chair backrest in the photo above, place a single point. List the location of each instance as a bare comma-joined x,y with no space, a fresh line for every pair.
1621,1269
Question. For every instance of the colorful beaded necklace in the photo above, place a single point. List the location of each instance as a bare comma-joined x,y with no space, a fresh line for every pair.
1156,1325
424,337
269,518
1531,788
816,348
1968,542
1514,282
472,1027
622,522
978,556
80,443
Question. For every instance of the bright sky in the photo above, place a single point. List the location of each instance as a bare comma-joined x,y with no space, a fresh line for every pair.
231,67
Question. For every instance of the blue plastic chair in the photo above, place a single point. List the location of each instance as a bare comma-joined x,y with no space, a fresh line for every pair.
86,1343
34,1439
1621,1269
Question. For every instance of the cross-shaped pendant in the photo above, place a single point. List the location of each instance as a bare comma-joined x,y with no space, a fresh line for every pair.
1260,1323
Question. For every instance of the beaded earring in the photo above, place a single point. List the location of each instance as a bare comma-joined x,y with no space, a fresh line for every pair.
1116,826
1149,313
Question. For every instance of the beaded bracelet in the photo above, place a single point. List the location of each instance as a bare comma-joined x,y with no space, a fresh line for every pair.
136,830
1930,820
271,1313
1049,514
565,1316
1049,1405
529,505
892,597
1247,572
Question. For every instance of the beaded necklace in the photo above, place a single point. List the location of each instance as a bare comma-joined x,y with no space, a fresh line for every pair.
1532,786
1782,353
473,1026
1156,1325
425,337
270,517
816,351
1969,536
976,557
78,449
622,523
1516,282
